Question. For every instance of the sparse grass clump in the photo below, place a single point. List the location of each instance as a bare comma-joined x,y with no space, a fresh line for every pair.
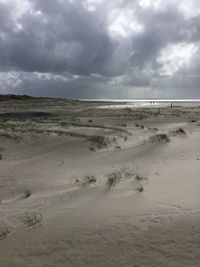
27,192
32,218
4,231
3,120
89,179
98,142
139,126
158,138
9,136
180,131
140,188
140,177
127,172
116,176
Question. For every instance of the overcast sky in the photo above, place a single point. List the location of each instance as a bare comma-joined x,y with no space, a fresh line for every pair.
100,48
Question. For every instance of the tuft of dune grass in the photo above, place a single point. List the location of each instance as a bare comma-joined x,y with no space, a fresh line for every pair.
98,141
180,131
88,180
158,138
32,218
140,188
26,192
118,175
4,231
114,177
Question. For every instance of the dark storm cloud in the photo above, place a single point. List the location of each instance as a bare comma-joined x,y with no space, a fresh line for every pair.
45,84
57,36
69,38
161,28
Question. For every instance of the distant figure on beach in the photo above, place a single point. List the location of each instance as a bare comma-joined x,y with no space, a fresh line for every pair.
171,104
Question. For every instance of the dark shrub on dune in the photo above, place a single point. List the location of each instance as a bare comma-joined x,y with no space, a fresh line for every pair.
90,179
4,231
158,138
180,131
98,141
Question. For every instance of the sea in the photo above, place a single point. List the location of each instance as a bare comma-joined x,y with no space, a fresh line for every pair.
131,103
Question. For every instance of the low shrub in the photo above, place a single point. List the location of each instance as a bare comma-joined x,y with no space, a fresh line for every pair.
157,138
27,192
193,120
98,141
180,131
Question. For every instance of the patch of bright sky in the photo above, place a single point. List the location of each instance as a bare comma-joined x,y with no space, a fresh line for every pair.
122,23
190,8
50,76
149,3
91,5
176,56
9,80
18,8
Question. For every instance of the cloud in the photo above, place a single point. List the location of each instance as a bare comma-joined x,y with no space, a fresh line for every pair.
174,57
119,48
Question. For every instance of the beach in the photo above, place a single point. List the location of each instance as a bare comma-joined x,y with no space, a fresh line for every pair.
99,183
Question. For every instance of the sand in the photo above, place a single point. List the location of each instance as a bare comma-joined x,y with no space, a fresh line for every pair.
58,206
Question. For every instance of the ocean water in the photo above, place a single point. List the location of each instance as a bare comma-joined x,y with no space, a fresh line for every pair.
143,100
130,103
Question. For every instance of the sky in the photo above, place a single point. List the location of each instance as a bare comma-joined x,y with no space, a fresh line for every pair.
100,48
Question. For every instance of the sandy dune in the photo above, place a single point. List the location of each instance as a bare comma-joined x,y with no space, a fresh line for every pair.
83,186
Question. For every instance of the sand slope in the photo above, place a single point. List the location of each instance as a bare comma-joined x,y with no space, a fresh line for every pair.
93,224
